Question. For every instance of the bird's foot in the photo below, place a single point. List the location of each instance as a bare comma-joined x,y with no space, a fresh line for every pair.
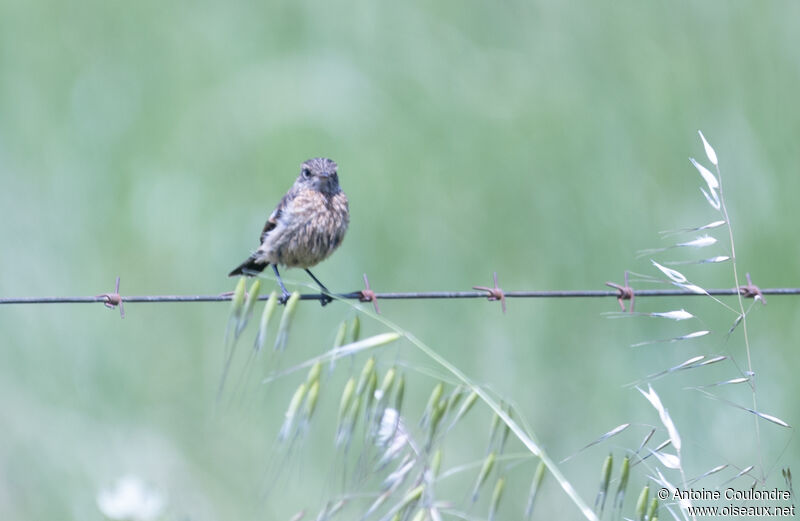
284,298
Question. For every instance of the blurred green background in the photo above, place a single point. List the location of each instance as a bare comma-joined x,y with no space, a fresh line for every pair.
547,141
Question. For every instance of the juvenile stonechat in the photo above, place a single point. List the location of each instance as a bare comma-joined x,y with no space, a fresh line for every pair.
306,227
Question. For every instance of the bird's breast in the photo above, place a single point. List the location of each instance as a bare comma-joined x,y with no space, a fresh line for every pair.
311,227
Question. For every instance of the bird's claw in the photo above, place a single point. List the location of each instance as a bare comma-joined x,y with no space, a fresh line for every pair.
325,299
283,299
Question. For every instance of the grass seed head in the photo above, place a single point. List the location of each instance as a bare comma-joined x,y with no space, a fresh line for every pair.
347,398
412,496
466,406
536,485
356,329
340,334
291,411
497,494
386,383
266,317
314,373
421,515
486,469
652,511
641,503
605,479
366,374
436,463
433,402
624,474
286,321
399,393
372,385
311,399
237,302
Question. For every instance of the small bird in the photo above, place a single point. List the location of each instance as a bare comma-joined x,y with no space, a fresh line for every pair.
307,226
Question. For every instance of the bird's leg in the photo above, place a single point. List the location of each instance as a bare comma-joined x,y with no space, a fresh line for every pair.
285,297
325,297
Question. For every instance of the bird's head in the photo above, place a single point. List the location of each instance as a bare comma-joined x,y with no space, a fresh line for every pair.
319,174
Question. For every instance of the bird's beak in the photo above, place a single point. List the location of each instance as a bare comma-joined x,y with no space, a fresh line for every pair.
325,175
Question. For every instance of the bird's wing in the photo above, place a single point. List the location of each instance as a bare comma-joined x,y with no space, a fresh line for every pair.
272,222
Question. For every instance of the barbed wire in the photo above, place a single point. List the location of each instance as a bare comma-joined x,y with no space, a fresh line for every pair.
495,293
358,295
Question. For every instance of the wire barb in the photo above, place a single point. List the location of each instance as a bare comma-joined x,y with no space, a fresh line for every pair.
113,300
367,295
495,293
623,292
752,291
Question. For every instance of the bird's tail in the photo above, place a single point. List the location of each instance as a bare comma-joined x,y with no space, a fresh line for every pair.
252,266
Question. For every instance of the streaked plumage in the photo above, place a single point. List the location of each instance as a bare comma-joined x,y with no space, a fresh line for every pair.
308,224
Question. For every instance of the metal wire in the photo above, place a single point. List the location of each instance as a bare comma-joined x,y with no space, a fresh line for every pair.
358,295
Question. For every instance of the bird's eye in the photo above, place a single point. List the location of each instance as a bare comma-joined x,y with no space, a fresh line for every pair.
306,173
